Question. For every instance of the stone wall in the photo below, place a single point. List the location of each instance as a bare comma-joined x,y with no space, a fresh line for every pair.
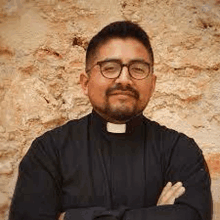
42,50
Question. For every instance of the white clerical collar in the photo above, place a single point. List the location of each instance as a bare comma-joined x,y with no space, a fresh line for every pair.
115,128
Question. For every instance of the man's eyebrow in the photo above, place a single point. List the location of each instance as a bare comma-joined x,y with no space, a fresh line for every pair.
130,61
138,60
112,59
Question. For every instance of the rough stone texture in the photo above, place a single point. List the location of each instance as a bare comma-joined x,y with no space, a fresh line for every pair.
42,50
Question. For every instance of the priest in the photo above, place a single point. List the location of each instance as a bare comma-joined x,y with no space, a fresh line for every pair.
114,163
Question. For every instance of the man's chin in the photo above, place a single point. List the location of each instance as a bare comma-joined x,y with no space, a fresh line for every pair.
121,114
118,112
120,117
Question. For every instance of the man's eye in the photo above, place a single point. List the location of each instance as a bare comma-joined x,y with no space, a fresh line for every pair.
138,69
110,68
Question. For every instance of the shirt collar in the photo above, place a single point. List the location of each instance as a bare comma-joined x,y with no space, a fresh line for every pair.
116,128
128,127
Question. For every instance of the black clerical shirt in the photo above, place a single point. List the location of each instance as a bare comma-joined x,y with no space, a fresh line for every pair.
82,169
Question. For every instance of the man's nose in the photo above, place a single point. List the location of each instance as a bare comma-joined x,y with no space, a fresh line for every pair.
124,77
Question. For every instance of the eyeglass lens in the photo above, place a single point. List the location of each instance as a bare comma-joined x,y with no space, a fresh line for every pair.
112,69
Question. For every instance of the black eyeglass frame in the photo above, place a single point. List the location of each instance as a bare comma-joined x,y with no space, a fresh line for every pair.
122,65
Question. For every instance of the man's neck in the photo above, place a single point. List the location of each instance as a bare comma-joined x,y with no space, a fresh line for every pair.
110,119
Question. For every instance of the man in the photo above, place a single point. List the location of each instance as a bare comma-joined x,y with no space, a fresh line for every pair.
114,163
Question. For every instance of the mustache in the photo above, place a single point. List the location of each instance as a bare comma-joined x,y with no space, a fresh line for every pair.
120,87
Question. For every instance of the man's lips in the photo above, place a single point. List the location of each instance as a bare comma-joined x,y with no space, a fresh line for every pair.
118,89
123,93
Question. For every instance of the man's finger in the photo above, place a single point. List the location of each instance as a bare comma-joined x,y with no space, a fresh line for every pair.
166,189
179,192
163,197
62,215
170,193
176,194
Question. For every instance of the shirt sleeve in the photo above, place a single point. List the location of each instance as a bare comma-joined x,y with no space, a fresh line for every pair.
166,212
38,188
184,162
94,213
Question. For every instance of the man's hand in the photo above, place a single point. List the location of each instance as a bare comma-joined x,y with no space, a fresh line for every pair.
62,216
170,193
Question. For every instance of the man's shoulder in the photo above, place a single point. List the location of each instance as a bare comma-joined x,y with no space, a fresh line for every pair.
73,129
72,125
49,145
157,128
167,136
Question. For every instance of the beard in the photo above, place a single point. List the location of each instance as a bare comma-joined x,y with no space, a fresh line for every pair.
120,110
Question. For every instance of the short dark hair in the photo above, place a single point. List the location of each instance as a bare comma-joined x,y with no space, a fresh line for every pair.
119,29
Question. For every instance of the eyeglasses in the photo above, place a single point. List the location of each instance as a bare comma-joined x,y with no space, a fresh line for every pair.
112,69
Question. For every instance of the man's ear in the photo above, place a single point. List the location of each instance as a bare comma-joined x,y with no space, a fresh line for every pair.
84,79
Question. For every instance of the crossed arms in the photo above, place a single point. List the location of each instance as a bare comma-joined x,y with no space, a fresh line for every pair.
167,197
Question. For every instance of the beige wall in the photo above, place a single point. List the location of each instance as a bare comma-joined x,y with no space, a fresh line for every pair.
42,49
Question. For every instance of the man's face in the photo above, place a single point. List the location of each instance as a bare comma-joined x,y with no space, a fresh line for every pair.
118,100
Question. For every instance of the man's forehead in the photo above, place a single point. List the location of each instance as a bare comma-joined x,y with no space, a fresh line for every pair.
114,48
115,40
